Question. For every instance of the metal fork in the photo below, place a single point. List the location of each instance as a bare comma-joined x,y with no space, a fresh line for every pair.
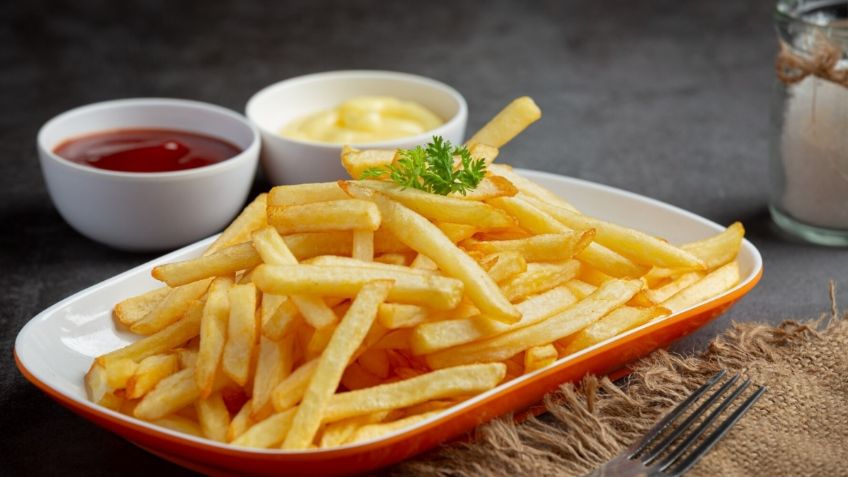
654,456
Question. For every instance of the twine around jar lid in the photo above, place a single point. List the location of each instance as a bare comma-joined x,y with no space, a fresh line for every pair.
822,61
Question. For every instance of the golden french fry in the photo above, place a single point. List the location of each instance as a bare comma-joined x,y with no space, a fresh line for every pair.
339,433
425,238
395,339
119,372
348,336
356,377
149,372
615,323
593,276
355,161
489,188
213,333
508,123
272,366
287,195
580,288
540,248
363,245
346,214
348,262
538,278
422,262
170,395
241,333
290,390
718,249
171,308
269,432
98,389
374,431
311,244
714,283
179,424
135,308
457,232
433,336
224,262
253,217
444,383
574,318
415,288
162,341
213,416
319,340
392,259
282,322
663,293
529,187
483,151
376,362
268,305
502,266
241,422
538,221
443,208
639,247
539,357
396,315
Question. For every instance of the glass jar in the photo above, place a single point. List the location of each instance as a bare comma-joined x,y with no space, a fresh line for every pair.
809,122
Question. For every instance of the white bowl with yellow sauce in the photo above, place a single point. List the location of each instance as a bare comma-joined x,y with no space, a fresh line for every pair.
305,121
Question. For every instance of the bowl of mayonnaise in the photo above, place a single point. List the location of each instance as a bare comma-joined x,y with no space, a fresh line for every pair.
306,121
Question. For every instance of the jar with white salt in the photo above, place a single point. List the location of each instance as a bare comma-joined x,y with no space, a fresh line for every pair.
809,147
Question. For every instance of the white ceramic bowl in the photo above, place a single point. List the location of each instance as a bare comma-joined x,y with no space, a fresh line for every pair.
293,161
156,210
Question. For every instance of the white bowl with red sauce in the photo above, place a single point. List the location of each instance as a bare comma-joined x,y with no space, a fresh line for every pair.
293,161
150,173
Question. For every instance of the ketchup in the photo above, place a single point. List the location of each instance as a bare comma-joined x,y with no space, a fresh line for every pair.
146,150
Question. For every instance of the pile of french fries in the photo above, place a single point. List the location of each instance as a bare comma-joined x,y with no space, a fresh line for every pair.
330,314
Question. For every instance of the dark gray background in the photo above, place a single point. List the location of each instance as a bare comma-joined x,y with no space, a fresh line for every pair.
664,98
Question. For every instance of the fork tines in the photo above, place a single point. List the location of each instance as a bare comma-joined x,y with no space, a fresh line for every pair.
673,448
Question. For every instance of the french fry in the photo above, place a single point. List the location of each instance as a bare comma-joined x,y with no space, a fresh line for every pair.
539,357
162,341
253,217
433,336
538,221
241,333
374,431
311,244
356,161
376,362
356,377
98,389
718,249
135,308
273,365
349,334
346,214
392,259
483,151
363,245
334,261
213,333
269,432
319,340
395,339
539,277
119,372
663,293
417,232
290,390
445,383
241,422
617,322
422,262
339,433
268,305
580,288
213,417
576,317
171,309
529,187
221,263
639,247
414,288
149,372
502,266
508,123
396,315
179,424
288,195
443,208
170,395
282,322
714,283
456,232
593,276
489,188
540,248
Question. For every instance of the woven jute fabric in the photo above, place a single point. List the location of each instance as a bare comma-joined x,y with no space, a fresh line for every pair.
799,426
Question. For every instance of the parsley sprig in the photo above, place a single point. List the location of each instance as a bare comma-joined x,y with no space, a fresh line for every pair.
432,169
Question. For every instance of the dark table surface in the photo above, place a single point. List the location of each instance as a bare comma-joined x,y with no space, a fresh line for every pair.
668,99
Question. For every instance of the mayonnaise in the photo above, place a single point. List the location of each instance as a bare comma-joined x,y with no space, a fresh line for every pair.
364,119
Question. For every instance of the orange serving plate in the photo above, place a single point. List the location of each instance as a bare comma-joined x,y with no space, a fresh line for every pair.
55,348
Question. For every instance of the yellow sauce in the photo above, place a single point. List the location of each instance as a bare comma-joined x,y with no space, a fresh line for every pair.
364,119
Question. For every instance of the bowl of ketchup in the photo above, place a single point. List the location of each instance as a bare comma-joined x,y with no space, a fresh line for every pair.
150,173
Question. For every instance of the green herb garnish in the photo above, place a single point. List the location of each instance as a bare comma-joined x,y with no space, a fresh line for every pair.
432,169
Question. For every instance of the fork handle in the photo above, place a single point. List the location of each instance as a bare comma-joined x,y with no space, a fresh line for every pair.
620,469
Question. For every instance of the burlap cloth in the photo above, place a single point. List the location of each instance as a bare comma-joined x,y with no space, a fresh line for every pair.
799,427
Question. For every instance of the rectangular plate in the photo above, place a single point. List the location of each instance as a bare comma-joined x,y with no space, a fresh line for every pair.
55,349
